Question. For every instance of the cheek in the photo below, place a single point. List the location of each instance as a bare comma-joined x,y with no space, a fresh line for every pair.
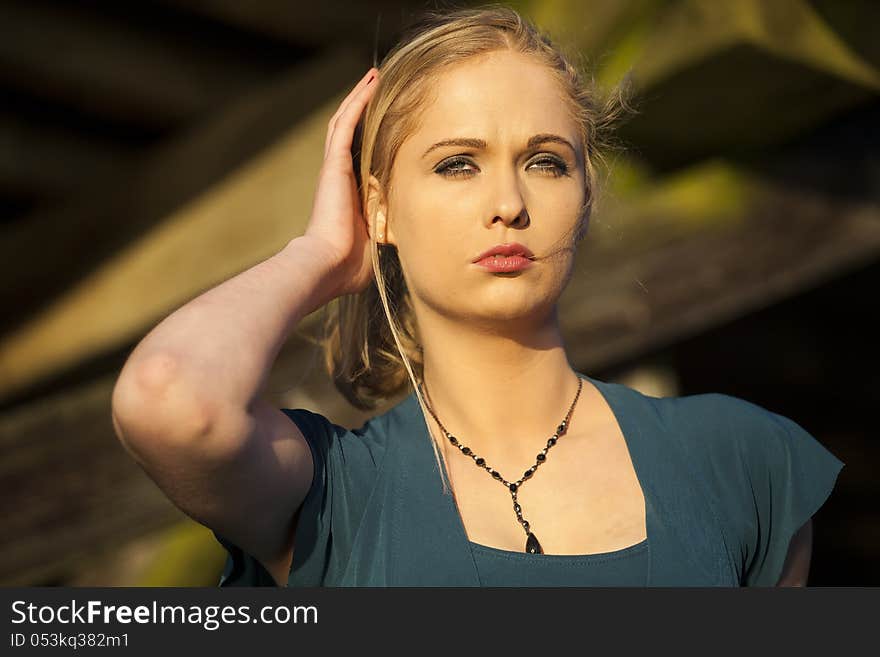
429,250
437,226
568,216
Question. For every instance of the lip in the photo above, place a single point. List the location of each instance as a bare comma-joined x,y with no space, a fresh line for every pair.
506,264
510,249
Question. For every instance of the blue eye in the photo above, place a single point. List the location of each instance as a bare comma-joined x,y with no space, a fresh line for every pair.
557,167
446,169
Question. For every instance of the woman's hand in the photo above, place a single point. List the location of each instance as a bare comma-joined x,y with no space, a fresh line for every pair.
337,221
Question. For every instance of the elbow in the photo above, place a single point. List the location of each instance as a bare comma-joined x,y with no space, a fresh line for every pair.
150,406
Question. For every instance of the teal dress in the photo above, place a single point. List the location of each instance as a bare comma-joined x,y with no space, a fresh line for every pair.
726,483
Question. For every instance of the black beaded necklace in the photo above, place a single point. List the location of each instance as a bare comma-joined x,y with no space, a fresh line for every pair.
532,544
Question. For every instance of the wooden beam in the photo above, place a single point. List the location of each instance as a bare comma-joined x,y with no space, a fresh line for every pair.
690,32
721,79
194,238
784,245
735,102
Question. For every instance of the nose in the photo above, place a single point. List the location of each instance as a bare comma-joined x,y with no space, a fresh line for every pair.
508,204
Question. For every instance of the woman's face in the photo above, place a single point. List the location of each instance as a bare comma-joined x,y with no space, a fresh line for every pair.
449,203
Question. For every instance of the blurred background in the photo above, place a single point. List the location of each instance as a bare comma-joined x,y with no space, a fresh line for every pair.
152,149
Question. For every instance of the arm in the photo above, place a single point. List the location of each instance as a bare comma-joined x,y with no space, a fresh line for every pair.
187,403
797,562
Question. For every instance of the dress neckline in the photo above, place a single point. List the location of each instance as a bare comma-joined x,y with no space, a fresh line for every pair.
593,557
452,507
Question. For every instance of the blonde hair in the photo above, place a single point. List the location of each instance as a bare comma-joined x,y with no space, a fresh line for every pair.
370,341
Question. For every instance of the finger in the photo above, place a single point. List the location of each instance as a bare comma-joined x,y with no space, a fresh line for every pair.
343,130
354,98
351,94
360,85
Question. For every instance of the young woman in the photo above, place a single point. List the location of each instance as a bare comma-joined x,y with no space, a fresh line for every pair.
458,179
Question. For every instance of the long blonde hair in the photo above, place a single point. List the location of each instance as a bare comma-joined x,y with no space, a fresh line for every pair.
370,340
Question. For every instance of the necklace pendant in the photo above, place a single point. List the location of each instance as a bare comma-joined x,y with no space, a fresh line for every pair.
532,545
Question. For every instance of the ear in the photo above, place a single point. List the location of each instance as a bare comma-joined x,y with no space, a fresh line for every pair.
377,213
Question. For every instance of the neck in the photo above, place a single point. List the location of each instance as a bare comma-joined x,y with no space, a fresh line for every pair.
497,392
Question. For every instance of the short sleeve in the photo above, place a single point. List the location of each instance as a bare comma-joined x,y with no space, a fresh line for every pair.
346,465
790,475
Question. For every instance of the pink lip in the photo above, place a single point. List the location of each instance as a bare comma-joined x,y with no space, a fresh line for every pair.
511,249
505,264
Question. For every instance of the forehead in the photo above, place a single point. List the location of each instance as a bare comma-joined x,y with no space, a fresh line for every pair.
497,96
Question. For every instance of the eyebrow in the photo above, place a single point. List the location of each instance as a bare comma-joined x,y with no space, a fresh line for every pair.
470,142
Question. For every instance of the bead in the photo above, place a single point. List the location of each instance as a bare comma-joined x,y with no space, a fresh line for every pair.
453,440
528,473
561,428
465,450
551,442
541,457
517,508
513,487
526,525
480,460
496,474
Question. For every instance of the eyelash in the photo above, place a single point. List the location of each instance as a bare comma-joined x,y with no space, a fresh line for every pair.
445,169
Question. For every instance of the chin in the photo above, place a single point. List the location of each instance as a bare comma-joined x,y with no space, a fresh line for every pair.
513,307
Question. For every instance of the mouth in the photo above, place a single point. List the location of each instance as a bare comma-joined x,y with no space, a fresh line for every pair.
504,264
